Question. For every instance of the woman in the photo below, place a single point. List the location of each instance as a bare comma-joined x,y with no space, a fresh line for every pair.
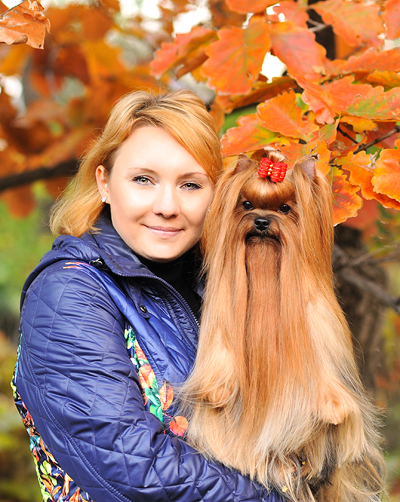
109,316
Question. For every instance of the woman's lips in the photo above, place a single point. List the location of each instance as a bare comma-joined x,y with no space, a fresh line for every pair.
164,232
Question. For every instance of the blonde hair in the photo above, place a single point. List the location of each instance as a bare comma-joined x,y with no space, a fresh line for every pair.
181,113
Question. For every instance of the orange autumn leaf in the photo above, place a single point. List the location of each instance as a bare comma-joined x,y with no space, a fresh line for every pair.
391,18
359,124
245,6
346,201
295,151
377,104
327,132
296,48
103,61
261,92
24,23
222,16
15,59
372,60
294,12
329,100
388,79
386,177
166,395
175,53
361,169
250,135
357,23
282,115
95,23
235,60
178,425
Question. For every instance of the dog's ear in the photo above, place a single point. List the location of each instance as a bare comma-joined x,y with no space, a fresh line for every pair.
308,165
243,163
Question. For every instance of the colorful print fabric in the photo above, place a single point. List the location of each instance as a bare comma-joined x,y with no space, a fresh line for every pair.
55,484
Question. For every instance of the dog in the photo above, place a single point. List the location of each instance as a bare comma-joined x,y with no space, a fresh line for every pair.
275,392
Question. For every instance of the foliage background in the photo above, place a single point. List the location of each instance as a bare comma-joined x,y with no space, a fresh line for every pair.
339,96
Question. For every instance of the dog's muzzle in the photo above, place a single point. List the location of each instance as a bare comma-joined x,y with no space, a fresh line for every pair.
261,224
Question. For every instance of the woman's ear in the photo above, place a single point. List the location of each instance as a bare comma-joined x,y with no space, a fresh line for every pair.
101,178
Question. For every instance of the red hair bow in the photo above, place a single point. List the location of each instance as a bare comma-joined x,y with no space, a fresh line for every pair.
275,170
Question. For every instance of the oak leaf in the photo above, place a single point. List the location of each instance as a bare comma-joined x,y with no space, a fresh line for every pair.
103,61
329,100
282,115
327,132
293,12
175,53
376,104
295,151
245,6
372,60
359,124
361,169
235,60
391,18
386,177
95,23
14,59
250,135
296,48
222,16
261,91
346,202
24,23
357,23
388,79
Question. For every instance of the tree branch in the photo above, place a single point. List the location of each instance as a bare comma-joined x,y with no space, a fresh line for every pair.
68,168
365,146
350,276
343,270
346,135
316,25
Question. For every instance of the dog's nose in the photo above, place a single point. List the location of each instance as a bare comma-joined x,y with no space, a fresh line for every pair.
261,223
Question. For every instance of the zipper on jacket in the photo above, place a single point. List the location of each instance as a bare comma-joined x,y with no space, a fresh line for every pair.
177,296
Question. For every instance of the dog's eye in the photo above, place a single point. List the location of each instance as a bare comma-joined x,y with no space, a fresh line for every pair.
247,205
284,208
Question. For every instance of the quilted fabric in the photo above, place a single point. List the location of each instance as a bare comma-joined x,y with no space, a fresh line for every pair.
82,391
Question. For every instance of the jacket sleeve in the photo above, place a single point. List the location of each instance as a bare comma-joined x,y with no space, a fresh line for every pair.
78,383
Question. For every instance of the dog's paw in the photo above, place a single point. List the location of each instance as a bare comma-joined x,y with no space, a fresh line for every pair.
334,408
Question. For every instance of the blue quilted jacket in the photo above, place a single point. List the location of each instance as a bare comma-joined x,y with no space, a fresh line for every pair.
103,344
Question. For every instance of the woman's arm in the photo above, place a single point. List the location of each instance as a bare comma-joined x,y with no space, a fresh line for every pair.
82,391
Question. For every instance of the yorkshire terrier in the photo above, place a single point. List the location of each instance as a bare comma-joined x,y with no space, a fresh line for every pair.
275,391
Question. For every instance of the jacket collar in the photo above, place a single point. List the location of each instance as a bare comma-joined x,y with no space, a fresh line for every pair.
113,251
105,248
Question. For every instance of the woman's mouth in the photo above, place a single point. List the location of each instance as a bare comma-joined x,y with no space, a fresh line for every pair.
164,232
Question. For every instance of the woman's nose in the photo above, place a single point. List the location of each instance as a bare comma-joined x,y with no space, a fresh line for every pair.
166,202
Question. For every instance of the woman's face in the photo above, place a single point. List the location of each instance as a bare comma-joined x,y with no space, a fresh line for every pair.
158,194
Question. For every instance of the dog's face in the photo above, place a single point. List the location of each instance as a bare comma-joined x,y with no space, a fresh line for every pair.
266,210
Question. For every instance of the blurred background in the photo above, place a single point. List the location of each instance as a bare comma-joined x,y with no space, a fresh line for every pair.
52,102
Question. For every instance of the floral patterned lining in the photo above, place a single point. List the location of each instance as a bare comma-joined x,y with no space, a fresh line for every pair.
55,484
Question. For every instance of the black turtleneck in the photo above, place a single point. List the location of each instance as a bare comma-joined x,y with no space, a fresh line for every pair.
181,274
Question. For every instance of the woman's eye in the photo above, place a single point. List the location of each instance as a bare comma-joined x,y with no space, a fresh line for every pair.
284,208
191,186
247,205
142,180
